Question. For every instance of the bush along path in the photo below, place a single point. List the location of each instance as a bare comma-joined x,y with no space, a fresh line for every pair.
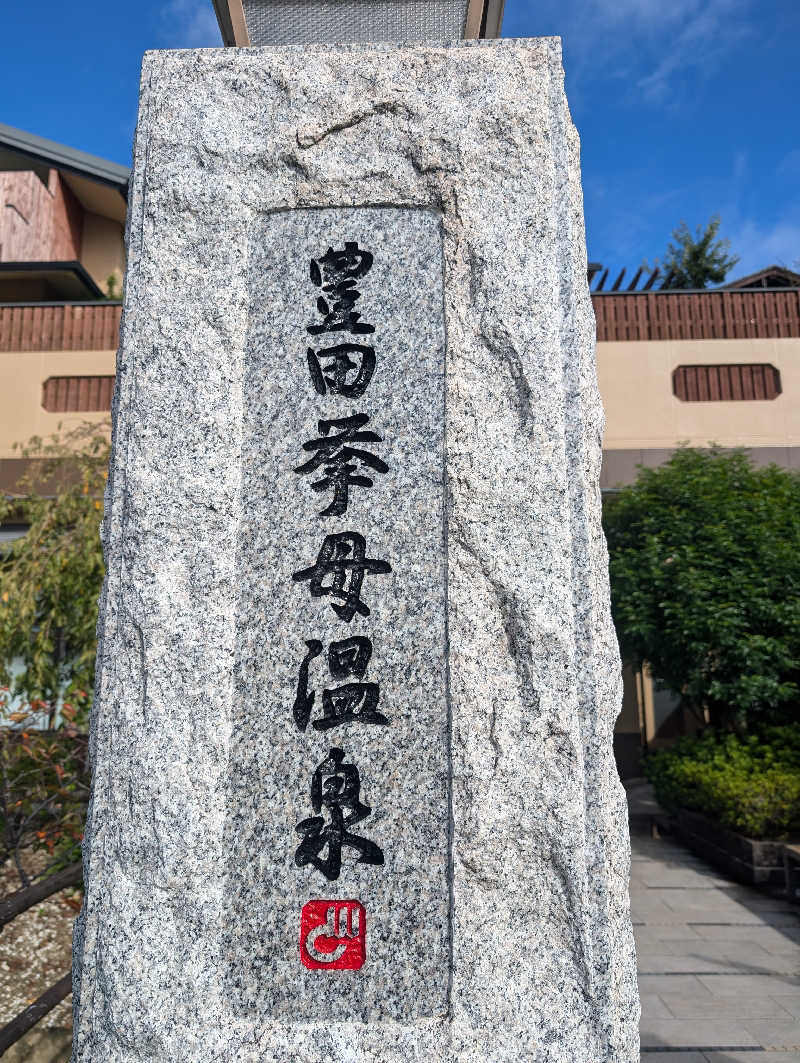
746,783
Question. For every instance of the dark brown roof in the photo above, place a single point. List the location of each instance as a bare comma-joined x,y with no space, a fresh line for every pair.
771,277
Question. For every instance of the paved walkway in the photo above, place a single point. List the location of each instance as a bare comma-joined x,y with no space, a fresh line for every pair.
719,963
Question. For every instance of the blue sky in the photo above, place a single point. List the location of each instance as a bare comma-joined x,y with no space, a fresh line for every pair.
685,107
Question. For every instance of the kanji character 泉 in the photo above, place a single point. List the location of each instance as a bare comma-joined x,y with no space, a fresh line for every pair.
336,787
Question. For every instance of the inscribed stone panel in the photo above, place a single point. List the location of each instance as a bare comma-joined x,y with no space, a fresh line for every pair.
342,459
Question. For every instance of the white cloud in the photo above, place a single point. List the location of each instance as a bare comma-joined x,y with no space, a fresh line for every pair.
652,46
760,245
190,24
704,37
772,239
642,13
622,217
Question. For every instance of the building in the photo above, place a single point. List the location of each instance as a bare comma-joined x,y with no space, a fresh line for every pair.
719,366
696,367
62,253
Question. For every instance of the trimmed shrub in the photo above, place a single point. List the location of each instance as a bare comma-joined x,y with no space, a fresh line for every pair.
748,784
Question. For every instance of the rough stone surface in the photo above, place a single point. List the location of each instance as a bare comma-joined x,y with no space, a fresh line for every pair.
522,841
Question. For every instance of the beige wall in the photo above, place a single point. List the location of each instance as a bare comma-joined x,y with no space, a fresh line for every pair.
38,222
21,379
103,250
641,412
635,383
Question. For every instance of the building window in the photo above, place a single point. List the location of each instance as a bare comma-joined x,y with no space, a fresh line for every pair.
77,394
726,383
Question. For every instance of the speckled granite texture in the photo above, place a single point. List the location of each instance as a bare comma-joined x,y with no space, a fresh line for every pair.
403,763
493,792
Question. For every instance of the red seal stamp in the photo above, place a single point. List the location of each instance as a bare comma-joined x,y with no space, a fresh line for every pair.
333,935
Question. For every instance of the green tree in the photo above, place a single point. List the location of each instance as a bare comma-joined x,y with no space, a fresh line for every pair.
695,261
50,578
705,583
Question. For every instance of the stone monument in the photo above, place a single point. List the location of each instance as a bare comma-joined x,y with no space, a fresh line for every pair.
354,793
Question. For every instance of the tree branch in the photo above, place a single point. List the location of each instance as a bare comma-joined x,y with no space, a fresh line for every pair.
21,900
19,1026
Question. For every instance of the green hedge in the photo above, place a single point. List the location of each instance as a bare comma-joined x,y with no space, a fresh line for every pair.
749,784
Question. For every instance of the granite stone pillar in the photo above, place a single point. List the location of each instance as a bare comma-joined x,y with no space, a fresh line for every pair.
354,793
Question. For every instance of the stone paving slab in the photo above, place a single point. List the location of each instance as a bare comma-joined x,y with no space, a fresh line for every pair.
677,1057
676,877
655,1007
678,1006
719,963
770,938
689,957
742,1057
673,932
698,902
776,1033
749,1056
691,1033
656,984
752,985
